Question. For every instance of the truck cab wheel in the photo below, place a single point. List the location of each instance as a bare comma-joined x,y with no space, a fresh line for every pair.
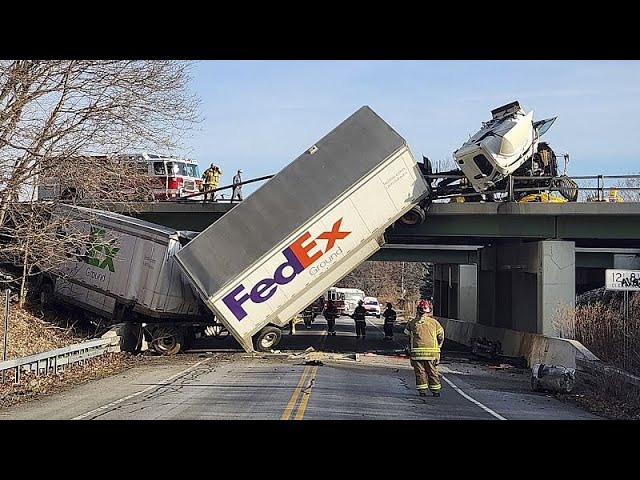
267,338
415,216
167,340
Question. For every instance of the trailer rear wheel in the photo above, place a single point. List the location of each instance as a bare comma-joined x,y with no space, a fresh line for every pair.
167,340
267,338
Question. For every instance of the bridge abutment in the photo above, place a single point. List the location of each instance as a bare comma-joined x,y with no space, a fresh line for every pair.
520,287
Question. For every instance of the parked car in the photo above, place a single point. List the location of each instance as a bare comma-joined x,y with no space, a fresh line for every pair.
372,306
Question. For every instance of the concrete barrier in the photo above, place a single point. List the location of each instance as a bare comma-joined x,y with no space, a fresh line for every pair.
533,347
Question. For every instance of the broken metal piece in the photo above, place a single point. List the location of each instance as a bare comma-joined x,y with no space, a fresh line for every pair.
486,348
314,362
554,378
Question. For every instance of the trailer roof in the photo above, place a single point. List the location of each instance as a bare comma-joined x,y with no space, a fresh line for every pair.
124,221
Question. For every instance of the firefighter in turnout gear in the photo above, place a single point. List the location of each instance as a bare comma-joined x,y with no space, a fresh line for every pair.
425,339
330,314
211,180
389,319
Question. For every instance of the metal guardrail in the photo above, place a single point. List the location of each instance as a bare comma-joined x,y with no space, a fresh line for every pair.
55,360
599,187
224,187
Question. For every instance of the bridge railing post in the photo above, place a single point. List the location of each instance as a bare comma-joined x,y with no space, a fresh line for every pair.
600,188
510,188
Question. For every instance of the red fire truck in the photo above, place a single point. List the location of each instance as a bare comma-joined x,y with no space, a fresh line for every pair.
345,299
169,177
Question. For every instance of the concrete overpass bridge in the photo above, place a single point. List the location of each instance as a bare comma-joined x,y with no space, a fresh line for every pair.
506,265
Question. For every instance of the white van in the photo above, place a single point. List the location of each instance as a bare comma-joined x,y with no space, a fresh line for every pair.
372,306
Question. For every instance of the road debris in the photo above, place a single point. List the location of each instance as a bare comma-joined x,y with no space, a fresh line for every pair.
501,366
483,347
553,378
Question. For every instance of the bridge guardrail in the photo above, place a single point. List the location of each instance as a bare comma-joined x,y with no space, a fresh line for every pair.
55,360
628,186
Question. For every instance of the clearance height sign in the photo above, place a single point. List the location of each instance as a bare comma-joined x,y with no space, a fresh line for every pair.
625,280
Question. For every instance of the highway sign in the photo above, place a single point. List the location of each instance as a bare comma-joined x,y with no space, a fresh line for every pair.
628,280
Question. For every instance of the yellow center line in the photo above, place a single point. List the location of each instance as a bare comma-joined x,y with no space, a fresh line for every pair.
294,396
305,395
298,392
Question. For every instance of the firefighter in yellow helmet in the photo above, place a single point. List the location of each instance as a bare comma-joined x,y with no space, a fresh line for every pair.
210,181
425,339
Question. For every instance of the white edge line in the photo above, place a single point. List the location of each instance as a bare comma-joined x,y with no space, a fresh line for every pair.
128,397
472,400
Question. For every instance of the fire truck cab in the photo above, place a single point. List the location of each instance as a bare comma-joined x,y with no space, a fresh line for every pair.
345,299
171,177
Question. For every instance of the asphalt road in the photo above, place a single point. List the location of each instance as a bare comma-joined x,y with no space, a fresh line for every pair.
340,379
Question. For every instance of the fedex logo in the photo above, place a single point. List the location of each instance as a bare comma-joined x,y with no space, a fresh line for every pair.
299,255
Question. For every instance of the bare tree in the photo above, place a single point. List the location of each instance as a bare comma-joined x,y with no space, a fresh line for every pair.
630,195
395,282
53,113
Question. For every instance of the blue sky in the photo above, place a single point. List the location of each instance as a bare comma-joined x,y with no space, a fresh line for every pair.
260,115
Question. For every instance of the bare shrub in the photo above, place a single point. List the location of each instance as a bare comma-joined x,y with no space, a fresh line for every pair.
600,327
564,321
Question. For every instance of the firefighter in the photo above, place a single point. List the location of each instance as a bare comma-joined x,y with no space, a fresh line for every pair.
359,314
210,180
425,339
237,187
330,314
389,319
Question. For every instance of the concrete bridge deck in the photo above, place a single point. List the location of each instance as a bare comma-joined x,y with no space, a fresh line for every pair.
589,224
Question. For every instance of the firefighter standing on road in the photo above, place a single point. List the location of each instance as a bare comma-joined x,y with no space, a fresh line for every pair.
210,180
389,319
330,314
425,339
359,315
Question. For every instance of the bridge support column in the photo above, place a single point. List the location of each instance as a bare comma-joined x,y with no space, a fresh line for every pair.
455,291
521,286
557,284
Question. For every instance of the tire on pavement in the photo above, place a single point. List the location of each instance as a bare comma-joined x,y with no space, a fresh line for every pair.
167,340
267,338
